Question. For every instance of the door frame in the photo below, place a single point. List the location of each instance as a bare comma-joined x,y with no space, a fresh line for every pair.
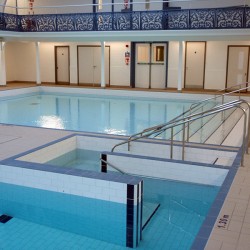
133,60
91,46
56,72
204,64
228,47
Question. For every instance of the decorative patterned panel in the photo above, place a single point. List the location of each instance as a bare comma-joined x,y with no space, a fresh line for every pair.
151,20
202,19
28,23
65,23
46,23
136,21
104,22
84,22
177,19
11,22
122,21
247,24
230,18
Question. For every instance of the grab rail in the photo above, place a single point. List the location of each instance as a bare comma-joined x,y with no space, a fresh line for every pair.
113,166
193,117
192,108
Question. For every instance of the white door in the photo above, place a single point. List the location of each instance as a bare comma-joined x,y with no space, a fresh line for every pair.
62,64
237,70
89,65
158,65
150,69
195,64
142,67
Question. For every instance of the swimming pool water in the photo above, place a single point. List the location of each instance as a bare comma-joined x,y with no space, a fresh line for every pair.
78,159
182,210
109,115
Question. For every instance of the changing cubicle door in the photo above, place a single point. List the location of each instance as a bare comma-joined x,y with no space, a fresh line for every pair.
62,64
89,65
195,64
237,65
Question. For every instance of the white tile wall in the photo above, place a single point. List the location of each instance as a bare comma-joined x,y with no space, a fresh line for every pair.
169,170
80,186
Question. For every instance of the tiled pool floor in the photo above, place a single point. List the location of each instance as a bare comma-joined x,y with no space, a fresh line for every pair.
22,235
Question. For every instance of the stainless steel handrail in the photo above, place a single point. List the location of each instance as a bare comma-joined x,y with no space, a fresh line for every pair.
113,166
193,117
191,109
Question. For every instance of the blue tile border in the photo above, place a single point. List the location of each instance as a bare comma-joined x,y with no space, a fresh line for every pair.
209,222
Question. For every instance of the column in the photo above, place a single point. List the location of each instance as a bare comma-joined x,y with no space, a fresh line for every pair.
180,65
103,64
38,71
2,64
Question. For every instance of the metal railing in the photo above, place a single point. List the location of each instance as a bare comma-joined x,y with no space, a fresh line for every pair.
113,166
172,19
193,108
190,118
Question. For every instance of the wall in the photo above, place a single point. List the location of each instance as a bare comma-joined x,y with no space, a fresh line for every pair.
21,59
21,62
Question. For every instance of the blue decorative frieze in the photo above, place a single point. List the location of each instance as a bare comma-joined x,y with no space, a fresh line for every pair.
172,19
122,21
65,23
136,21
202,19
177,19
84,22
46,23
230,18
104,22
151,20
11,22
247,19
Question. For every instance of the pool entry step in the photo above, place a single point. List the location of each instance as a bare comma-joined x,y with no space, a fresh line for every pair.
5,218
149,210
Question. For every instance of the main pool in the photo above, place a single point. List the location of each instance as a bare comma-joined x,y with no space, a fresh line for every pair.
110,115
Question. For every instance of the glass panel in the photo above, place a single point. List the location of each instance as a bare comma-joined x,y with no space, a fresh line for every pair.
158,54
143,53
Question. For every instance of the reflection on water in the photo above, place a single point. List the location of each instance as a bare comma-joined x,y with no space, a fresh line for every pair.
83,113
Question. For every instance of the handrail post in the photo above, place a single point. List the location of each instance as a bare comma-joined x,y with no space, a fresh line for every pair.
171,143
183,141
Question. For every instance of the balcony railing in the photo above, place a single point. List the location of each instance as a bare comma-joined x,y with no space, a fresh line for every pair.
173,19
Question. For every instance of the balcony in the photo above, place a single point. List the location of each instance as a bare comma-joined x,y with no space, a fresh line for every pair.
172,19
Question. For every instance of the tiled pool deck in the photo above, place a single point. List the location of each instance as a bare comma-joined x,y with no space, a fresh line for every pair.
231,231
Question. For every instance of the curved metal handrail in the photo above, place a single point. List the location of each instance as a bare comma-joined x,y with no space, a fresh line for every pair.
192,108
196,116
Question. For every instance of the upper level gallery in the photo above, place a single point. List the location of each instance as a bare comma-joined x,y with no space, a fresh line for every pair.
122,15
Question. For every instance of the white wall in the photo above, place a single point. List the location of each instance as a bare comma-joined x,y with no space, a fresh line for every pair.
21,59
21,62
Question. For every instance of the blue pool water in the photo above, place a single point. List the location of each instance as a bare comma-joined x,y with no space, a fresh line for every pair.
78,159
38,215
109,115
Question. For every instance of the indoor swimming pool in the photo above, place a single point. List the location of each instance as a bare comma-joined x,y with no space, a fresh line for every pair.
102,114
63,196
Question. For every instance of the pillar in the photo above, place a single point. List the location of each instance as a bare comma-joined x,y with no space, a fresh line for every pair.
38,66
103,84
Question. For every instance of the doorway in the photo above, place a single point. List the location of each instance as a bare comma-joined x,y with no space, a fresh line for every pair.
237,65
195,65
62,73
89,65
150,65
